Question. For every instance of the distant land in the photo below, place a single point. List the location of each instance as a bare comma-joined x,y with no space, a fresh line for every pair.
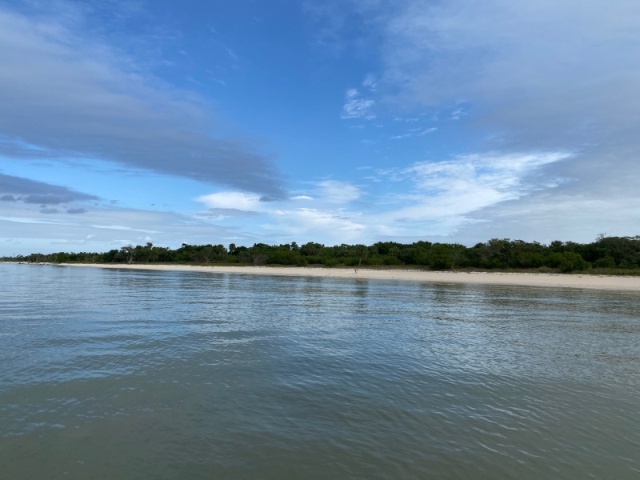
606,255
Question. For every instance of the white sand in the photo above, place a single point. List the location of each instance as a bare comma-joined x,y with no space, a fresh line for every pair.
601,282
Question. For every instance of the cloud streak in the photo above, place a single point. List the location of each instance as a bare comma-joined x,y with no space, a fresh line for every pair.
14,189
65,96
104,229
454,189
357,107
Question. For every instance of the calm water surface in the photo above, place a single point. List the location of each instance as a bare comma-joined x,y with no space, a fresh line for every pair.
120,374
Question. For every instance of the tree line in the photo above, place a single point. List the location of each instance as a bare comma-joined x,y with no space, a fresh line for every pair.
621,254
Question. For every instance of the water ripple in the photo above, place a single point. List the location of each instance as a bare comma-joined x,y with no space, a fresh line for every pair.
169,375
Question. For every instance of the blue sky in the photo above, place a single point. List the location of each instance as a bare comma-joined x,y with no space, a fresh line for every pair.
346,121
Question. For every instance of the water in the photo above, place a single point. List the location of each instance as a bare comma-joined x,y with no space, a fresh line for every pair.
121,374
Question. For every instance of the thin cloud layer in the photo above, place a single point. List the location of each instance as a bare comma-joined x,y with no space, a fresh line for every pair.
64,95
229,201
356,107
541,76
105,229
472,182
16,189
546,75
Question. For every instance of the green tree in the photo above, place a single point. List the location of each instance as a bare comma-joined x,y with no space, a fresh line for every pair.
571,261
361,252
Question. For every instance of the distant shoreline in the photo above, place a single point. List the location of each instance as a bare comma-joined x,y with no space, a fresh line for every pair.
549,280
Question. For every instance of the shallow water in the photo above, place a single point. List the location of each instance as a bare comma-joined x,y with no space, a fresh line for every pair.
125,374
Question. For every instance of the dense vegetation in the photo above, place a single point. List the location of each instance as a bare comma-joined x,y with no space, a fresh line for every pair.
605,255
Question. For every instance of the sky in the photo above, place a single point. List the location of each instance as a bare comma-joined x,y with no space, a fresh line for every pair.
336,121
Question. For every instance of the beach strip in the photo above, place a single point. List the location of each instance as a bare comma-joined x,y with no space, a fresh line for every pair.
598,282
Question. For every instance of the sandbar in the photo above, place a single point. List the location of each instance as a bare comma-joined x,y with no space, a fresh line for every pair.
551,280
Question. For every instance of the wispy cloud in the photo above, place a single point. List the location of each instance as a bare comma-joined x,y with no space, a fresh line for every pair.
445,197
357,107
414,132
524,76
320,194
337,192
231,201
322,212
472,182
70,94
309,224
548,75
106,228
370,82
438,197
16,189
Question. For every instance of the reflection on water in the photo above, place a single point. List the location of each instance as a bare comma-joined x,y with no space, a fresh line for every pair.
145,374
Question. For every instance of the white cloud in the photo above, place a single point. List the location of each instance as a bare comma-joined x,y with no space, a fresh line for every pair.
231,201
307,224
325,194
441,197
327,214
351,93
458,113
469,174
356,107
370,82
414,132
336,192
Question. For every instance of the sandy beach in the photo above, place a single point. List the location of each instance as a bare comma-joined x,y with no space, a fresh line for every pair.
599,282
